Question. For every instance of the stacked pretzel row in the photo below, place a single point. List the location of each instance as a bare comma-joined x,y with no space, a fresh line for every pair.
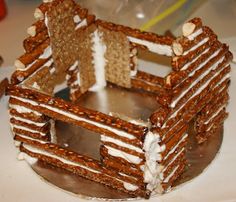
122,141
37,66
197,87
28,123
128,58
33,115
142,41
136,159
203,79
156,171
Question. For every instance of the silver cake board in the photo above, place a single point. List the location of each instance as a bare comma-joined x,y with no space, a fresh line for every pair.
75,138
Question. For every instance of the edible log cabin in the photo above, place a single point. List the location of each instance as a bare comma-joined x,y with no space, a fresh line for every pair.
137,156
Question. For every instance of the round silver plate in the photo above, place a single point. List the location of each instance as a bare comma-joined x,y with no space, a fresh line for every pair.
86,142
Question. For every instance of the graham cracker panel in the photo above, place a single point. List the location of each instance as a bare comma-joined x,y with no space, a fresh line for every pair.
42,81
117,69
63,37
86,66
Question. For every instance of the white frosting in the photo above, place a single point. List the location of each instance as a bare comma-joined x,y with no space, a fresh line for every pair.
66,145
133,73
17,143
32,31
52,70
36,86
47,1
47,53
31,160
198,79
210,127
20,78
130,187
172,160
29,138
138,122
28,121
76,19
81,24
142,167
171,175
195,34
125,175
99,61
196,46
120,143
48,63
28,66
28,129
38,151
172,125
129,119
195,59
72,90
76,82
22,109
204,63
46,23
73,116
78,79
53,131
38,14
116,131
134,59
153,47
73,67
176,146
152,155
27,158
20,156
68,76
12,126
214,115
222,81
198,92
128,157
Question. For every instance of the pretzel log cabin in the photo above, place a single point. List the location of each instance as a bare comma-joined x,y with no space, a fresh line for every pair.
90,54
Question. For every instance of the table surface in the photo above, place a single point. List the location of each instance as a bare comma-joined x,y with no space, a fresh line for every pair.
19,183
